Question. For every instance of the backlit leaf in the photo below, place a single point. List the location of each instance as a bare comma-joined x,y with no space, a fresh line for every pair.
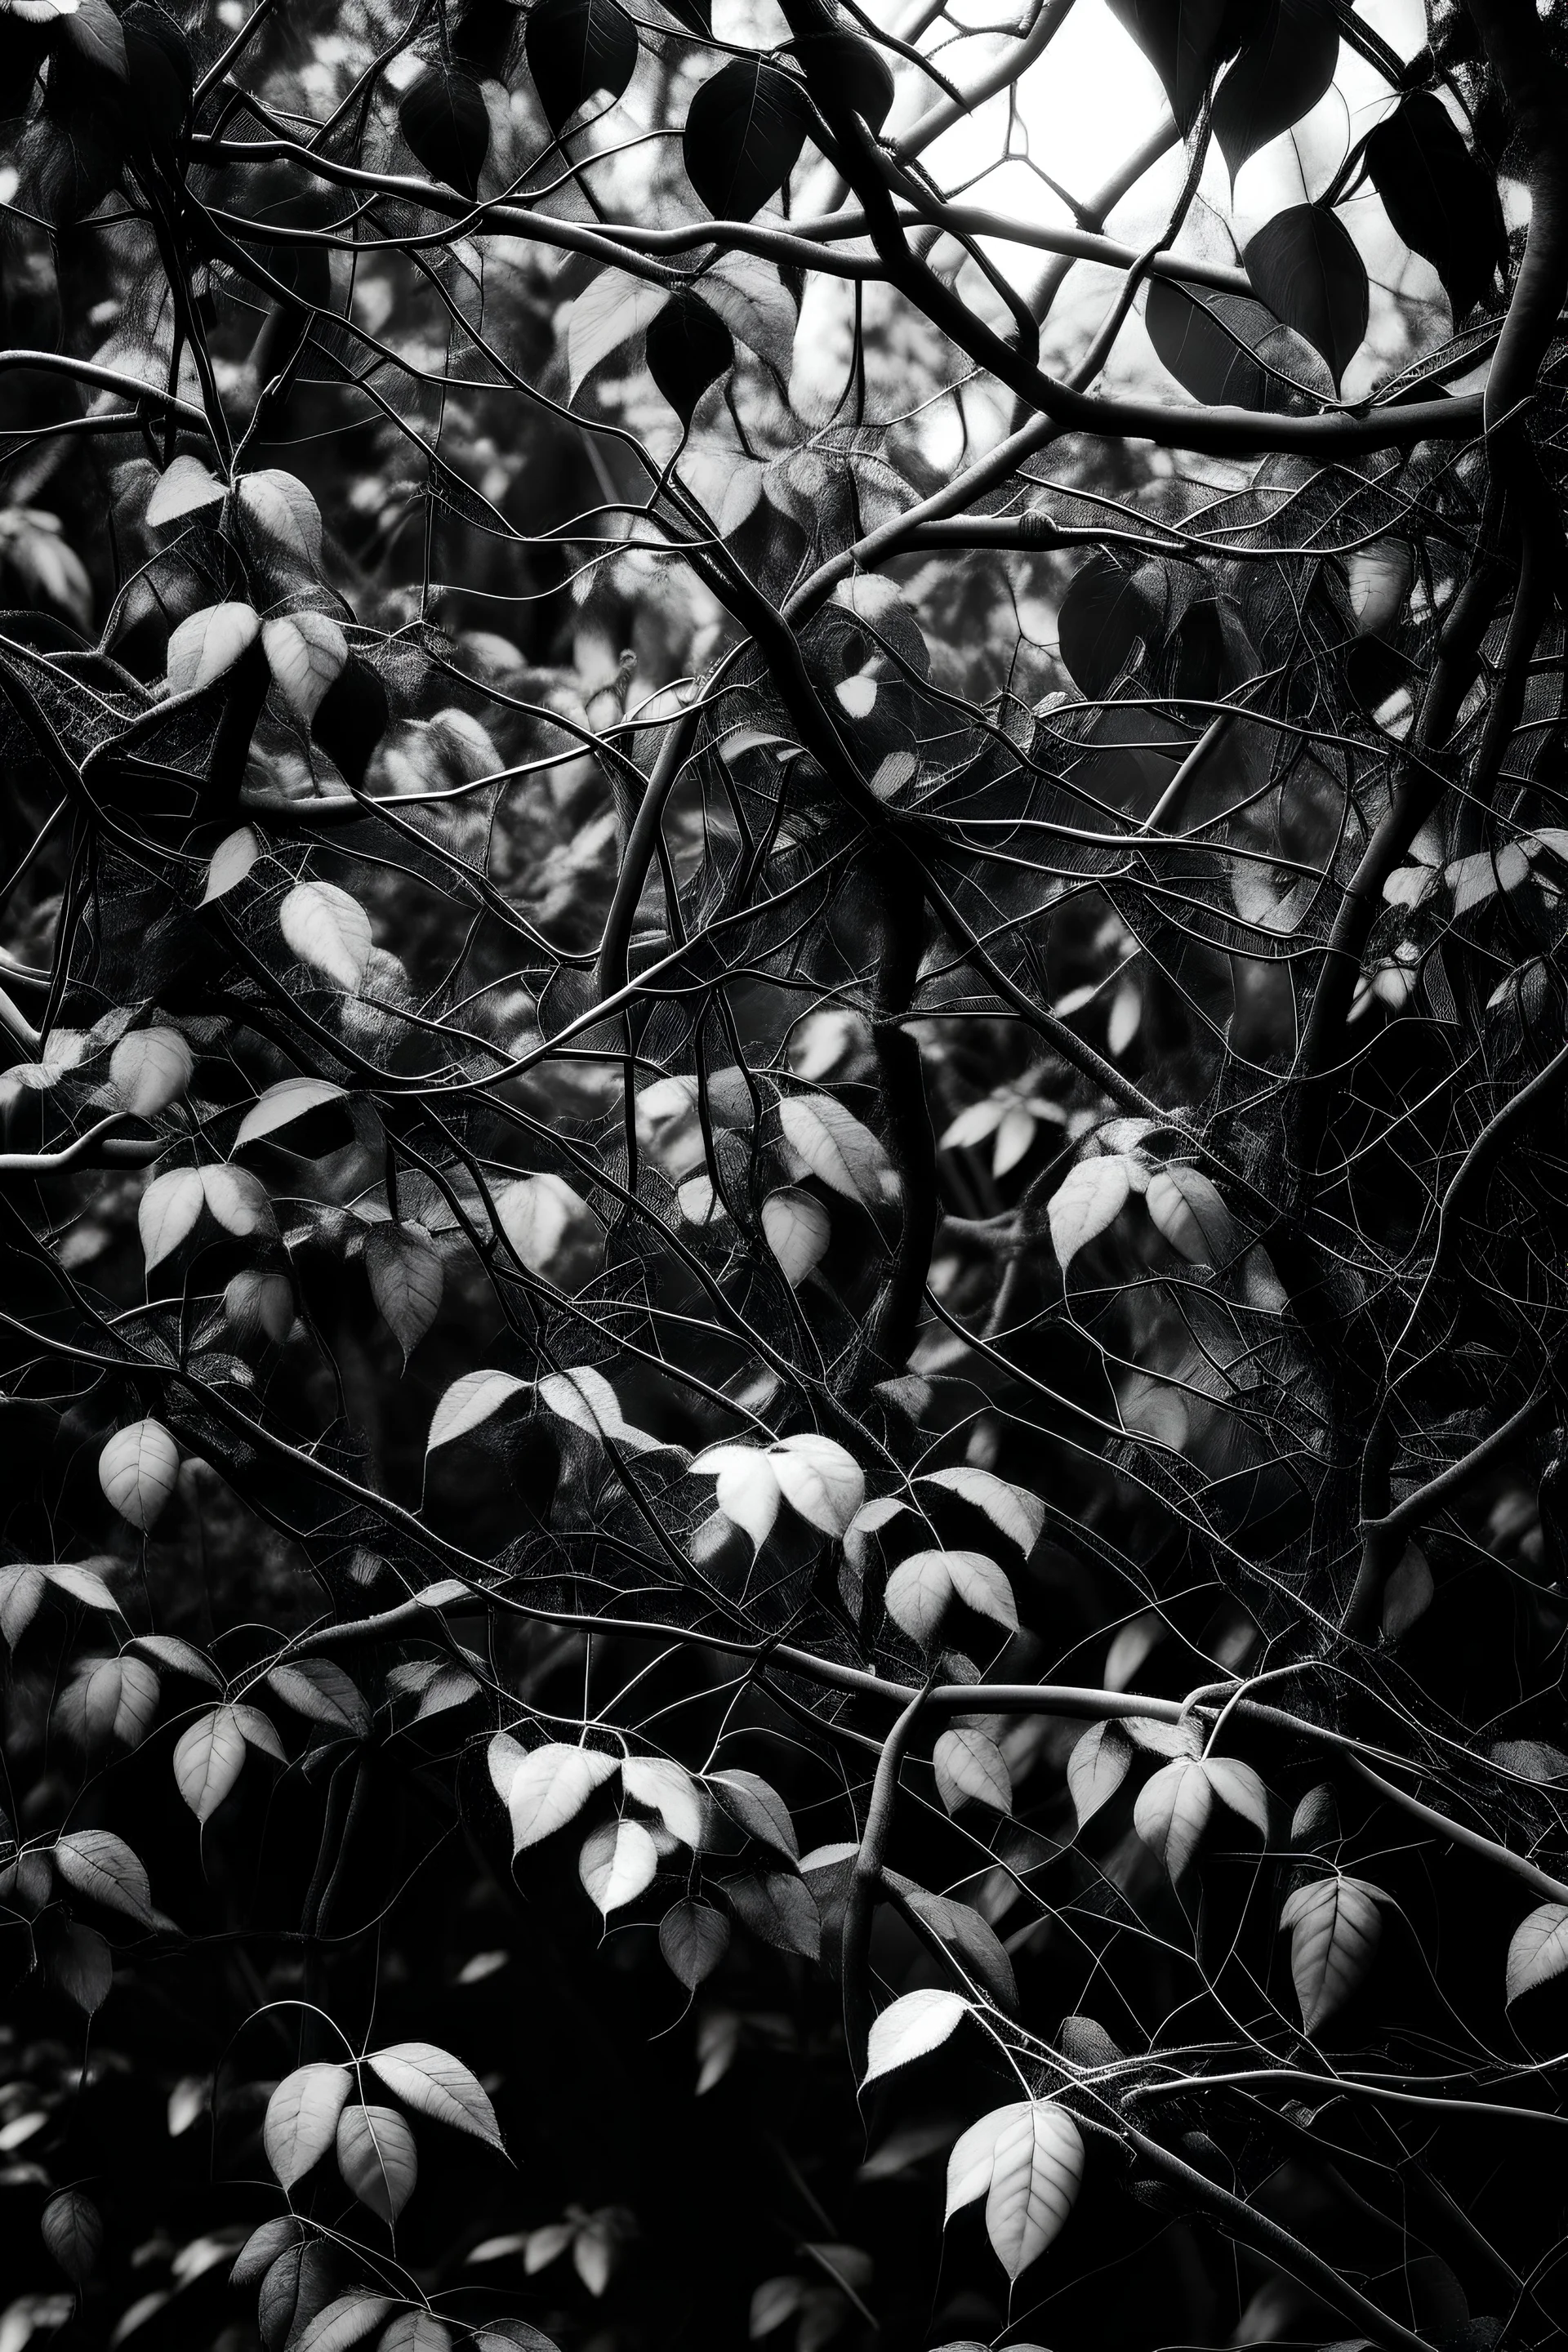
149,1069
820,1479
97,1864
918,2022
137,1470
666,1788
837,1148
968,1766
305,652
168,1212
1098,1766
1011,1510
301,2119
471,1401
434,2084
1189,1212
1090,1198
549,1788
209,644
329,930
1027,2161
377,2158
617,1862
208,1758
1539,1949
797,1229
1335,1925
1172,1813
407,1278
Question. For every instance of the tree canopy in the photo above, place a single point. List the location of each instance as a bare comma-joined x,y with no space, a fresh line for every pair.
782,984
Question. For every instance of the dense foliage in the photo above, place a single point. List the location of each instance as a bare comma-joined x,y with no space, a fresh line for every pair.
783,1179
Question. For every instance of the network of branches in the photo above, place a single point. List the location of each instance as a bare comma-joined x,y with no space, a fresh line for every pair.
783,977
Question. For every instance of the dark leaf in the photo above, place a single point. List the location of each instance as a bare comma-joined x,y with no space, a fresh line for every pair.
262,2249
743,136
1439,197
1307,271
1231,353
575,49
1282,71
1105,613
688,348
1087,2043
976,1946
443,117
73,2232
301,2282
852,67
693,1938
83,1966
1181,39
778,1907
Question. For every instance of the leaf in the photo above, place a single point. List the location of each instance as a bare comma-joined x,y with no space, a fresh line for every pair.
610,310
209,644
690,348
1188,1210
1172,1813
1090,1198
183,488
96,34
1106,613
1282,71
83,1966
693,1938
575,49
97,1864
1334,1923
301,2119
797,1229
1439,197
377,2158
744,132
836,1148
347,2319
329,930
137,1470
744,288
82,1584
475,1398
258,1731
779,1908
447,124
238,1201
1179,40
168,1212
73,2229
975,1945
262,2248
1011,1510
747,1491
755,1806
434,2084
208,1758
407,1280
1229,351
1305,268
232,860
114,1698
669,1790
549,1788
1378,579
305,652
320,1689
1027,2161
583,1396
820,1479
537,1214
911,2026
1407,1595
1539,1949
416,2331
619,1862
1097,1767
970,1766
1238,1787
282,1105
298,2285
150,1069
921,1587
22,1588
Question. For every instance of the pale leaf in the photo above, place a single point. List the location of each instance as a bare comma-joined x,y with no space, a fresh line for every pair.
301,2119
328,930
1090,1199
549,1788
1335,1925
232,860
305,652
1189,1212
473,1399
613,307
836,1148
1097,1767
407,1278
1539,1949
208,644
797,1229
1011,1510
970,1766
137,1470
1027,2161
277,507
617,1862
168,1211
282,1105
914,2024
183,488
820,1479
377,2158
669,1790
1172,1813
150,1069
